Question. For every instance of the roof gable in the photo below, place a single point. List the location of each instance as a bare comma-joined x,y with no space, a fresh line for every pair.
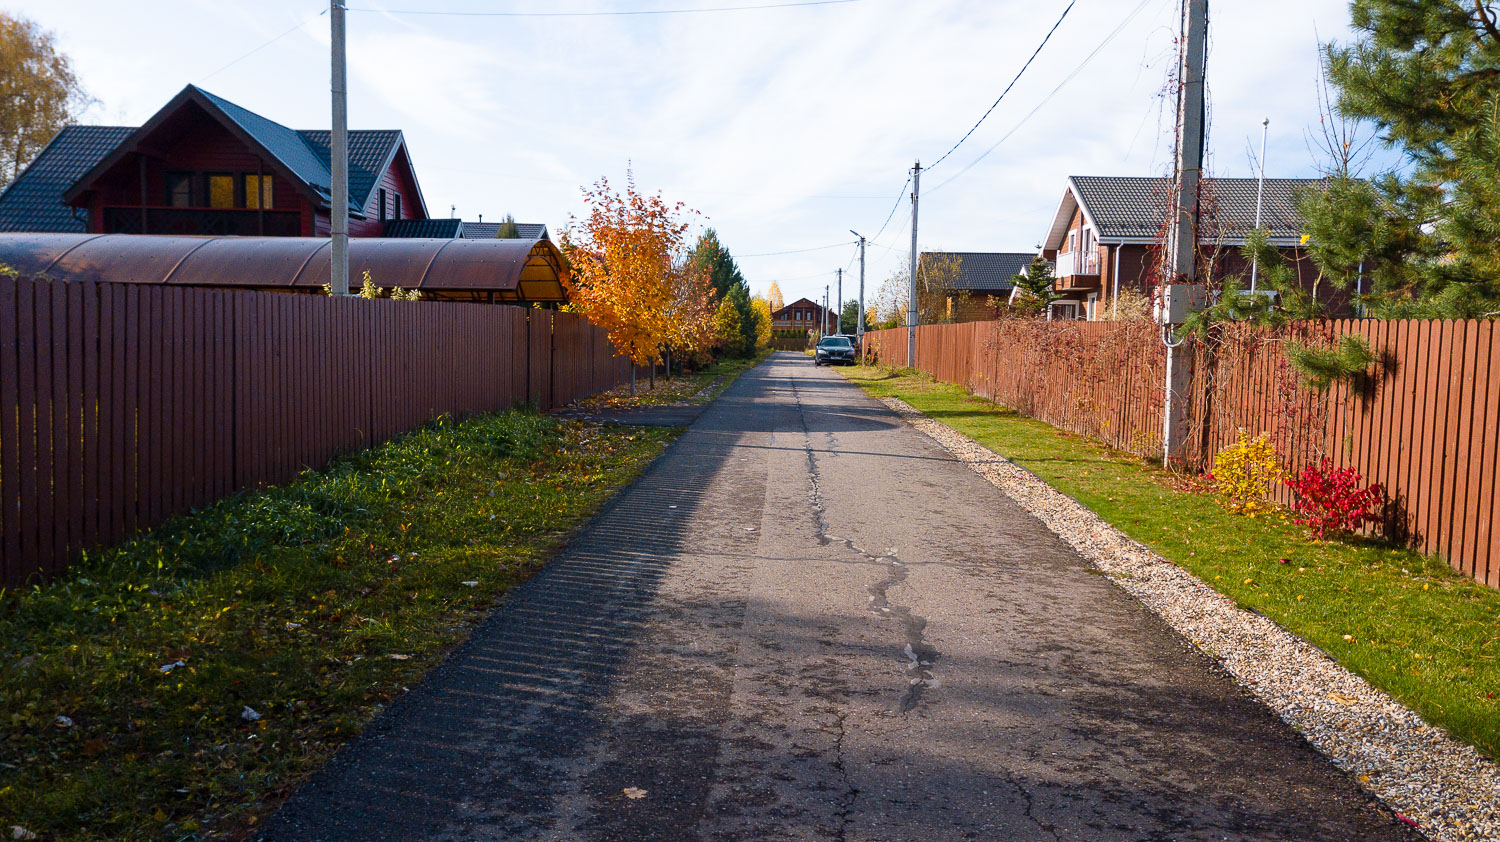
303,157
801,303
33,202
1135,208
985,271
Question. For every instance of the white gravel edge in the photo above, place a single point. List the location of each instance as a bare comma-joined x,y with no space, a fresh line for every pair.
1446,787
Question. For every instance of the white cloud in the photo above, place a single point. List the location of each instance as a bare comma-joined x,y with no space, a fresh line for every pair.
755,118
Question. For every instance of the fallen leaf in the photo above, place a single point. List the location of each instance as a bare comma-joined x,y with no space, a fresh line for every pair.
634,792
165,668
471,583
63,722
249,714
395,657
1343,698
18,832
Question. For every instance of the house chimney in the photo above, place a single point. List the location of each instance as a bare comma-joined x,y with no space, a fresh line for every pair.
481,217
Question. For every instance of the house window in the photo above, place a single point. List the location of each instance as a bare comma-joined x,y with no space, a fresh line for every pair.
220,191
381,203
180,189
258,191
397,215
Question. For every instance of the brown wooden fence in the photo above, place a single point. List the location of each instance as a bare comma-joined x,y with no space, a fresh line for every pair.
122,404
1423,421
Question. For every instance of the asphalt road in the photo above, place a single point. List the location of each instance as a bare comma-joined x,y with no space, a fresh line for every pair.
807,622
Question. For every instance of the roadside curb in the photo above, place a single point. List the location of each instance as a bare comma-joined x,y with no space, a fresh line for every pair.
1447,788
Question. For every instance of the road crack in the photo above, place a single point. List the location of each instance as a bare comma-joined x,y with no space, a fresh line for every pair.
920,655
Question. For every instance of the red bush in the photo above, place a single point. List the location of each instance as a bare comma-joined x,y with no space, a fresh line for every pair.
1332,500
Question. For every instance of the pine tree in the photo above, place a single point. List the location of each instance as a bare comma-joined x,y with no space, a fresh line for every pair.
508,229
1427,74
1037,287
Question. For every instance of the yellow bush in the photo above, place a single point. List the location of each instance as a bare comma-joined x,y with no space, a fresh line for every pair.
1245,472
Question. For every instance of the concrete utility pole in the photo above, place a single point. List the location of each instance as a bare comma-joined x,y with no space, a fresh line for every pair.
825,309
838,306
911,300
859,319
1260,192
338,204
1182,235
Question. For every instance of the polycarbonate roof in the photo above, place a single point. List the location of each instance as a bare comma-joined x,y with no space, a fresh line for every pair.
529,270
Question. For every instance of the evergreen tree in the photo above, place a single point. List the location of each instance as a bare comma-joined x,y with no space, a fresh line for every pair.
1038,287
1427,74
507,229
729,285
849,319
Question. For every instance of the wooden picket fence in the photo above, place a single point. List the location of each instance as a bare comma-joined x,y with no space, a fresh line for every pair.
124,404
1423,421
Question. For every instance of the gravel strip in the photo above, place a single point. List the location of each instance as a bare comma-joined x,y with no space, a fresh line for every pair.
1447,788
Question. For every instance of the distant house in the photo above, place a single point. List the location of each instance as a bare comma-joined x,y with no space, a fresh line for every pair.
984,281
203,165
1105,233
457,228
800,316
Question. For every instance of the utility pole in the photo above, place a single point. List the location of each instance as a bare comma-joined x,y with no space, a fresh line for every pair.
838,306
859,318
1182,235
1260,192
338,203
911,300
825,309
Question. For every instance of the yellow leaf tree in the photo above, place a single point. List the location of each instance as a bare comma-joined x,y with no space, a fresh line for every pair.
762,310
773,297
624,259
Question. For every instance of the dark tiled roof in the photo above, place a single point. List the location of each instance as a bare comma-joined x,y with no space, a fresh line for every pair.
33,202
1136,207
986,271
368,150
487,230
424,228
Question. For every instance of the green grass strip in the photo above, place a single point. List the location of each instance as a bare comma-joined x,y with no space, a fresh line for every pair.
311,604
1415,628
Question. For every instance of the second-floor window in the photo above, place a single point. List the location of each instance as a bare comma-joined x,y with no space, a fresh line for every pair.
258,192
180,189
220,190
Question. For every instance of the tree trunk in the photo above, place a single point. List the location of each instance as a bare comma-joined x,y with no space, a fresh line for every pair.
632,378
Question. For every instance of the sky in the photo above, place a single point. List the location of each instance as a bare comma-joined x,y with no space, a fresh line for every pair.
783,128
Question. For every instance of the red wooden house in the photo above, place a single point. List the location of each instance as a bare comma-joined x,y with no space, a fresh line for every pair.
205,166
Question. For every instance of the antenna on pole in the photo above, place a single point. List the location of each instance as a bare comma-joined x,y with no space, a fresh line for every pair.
1260,192
338,203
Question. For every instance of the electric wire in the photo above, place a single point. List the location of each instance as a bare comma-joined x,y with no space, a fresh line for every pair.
1012,84
901,194
262,46
1049,97
602,14
793,251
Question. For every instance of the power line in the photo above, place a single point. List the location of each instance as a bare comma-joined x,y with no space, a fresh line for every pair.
1050,96
628,13
901,194
799,278
1012,84
262,46
793,251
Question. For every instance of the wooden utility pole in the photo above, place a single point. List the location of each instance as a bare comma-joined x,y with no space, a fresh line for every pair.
911,300
338,203
1182,234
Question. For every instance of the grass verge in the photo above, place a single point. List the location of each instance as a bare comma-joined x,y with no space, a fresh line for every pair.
177,686
691,388
1407,623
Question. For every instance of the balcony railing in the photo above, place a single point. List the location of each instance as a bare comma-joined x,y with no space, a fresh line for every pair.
202,221
1077,263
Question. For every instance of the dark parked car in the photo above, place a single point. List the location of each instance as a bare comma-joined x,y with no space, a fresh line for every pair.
834,349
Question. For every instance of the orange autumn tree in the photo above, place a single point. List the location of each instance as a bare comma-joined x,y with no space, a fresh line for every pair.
690,329
624,257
